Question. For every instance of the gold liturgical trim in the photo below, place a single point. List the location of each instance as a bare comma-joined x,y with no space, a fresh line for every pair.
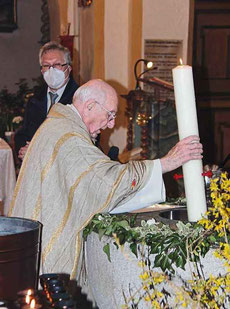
73,274
117,182
57,147
23,167
68,210
49,164
1,208
37,208
55,114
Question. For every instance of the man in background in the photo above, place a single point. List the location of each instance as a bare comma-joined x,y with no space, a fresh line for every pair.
55,62
65,179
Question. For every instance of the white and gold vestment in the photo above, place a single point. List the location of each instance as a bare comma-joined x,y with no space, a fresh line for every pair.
65,180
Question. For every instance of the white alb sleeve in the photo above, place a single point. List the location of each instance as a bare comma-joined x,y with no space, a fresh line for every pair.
153,192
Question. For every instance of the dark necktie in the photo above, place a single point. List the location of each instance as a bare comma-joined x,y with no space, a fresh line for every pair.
53,97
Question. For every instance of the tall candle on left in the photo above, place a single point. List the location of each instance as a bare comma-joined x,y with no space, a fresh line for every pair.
188,125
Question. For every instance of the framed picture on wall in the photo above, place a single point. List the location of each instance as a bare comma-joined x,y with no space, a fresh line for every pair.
8,15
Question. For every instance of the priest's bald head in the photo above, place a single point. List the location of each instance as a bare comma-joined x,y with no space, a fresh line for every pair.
97,103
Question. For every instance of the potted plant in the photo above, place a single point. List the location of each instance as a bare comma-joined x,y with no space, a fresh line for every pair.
12,106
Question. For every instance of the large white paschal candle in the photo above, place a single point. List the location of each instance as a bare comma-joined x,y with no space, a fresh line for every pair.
188,125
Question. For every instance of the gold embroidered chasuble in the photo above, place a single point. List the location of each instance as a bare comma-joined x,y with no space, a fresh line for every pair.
64,181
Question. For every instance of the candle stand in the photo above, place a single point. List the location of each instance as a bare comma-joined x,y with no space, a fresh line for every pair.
53,294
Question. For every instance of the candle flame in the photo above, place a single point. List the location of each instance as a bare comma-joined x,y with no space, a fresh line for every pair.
33,303
29,292
181,61
27,299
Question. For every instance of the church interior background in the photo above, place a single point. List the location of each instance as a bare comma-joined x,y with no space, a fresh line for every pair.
108,37
113,40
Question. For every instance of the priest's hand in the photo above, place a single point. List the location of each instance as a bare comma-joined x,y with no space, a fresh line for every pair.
22,151
185,150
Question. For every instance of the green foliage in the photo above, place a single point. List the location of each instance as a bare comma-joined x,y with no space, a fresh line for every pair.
13,104
175,247
168,246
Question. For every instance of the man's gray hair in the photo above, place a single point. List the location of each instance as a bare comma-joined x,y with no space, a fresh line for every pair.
52,45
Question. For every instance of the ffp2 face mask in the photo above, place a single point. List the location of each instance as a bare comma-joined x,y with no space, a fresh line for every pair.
54,78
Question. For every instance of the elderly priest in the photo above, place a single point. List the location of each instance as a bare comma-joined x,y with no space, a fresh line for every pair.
65,179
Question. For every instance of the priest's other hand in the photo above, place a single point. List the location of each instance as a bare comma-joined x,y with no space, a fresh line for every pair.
22,151
185,150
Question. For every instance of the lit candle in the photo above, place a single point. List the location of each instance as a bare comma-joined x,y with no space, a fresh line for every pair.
3,304
29,292
28,298
25,296
188,125
32,304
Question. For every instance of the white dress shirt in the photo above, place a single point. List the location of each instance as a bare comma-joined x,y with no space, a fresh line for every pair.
59,92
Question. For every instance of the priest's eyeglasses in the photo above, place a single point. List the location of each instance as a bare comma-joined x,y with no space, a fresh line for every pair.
111,115
59,66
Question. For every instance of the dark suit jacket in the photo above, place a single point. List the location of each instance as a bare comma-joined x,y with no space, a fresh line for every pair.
36,112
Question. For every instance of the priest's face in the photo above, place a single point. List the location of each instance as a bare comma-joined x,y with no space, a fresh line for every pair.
103,117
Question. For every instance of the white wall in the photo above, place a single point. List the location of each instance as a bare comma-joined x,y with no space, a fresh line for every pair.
116,40
19,49
166,19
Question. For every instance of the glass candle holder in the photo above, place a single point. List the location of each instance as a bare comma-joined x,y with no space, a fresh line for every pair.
53,287
55,290
64,304
53,282
47,277
57,297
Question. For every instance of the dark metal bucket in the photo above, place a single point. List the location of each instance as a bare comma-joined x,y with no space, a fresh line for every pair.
20,241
